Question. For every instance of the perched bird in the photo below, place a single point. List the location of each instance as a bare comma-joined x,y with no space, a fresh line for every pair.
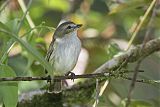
63,52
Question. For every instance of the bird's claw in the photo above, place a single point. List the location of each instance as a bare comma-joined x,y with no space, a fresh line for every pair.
72,75
48,79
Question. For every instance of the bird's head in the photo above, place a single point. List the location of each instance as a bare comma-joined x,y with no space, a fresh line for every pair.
66,28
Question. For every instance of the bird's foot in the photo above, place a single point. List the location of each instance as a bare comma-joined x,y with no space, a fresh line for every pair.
71,74
65,83
49,79
49,84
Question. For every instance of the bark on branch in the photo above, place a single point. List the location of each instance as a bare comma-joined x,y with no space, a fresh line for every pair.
130,56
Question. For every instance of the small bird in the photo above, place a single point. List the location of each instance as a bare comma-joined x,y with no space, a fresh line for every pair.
63,52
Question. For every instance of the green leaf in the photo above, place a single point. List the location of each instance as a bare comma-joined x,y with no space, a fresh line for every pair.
62,5
19,64
112,50
4,26
8,90
31,50
127,6
12,24
6,50
7,43
137,103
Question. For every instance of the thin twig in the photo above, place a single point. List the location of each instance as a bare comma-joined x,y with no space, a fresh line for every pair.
25,10
141,23
133,83
37,27
55,77
97,75
141,80
97,94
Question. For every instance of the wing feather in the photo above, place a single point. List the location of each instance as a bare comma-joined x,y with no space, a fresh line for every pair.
50,51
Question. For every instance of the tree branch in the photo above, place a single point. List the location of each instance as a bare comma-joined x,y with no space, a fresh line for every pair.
55,77
97,75
130,56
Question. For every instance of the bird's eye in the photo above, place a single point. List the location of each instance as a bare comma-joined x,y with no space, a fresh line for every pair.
69,27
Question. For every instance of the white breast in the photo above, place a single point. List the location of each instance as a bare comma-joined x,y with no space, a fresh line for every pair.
66,54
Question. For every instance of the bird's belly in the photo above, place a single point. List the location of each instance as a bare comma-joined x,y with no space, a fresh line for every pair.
66,57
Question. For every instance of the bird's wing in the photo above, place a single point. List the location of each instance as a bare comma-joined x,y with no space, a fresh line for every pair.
50,52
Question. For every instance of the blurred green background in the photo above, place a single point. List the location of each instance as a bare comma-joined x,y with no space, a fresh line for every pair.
107,28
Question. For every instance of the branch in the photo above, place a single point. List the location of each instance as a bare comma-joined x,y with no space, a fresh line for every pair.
55,77
97,75
130,56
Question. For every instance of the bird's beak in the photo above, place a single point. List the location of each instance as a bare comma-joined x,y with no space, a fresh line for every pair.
78,25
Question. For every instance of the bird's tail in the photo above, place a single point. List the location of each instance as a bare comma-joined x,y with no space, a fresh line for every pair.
56,87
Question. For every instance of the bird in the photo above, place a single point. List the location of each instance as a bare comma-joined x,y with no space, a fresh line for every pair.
63,52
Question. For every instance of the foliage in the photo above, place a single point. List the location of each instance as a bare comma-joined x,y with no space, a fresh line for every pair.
8,90
110,22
